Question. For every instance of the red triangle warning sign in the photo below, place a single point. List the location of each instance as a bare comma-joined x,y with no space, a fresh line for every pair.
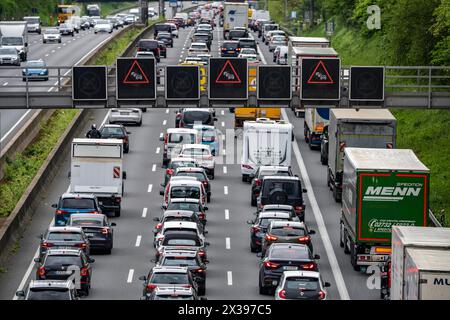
228,75
136,75
320,75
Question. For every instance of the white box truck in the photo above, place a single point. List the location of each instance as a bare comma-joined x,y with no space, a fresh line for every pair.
423,238
97,168
234,15
14,34
265,143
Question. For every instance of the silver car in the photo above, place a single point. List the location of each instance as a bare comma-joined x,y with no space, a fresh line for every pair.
128,115
9,56
51,34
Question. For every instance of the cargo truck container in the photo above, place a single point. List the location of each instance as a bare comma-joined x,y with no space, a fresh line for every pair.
14,34
381,188
235,15
251,114
316,119
422,238
364,128
97,168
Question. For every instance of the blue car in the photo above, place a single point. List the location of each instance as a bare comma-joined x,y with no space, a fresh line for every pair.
70,203
35,70
209,136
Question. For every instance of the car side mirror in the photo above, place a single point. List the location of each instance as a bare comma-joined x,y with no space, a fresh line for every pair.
205,208
37,260
153,260
327,284
156,219
206,261
205,232
161,193
316,257
304,190
128,132
91,260
162,185
54,205
161,138
113,224
124,175
143,278
207,244
312,231
20,293
215,119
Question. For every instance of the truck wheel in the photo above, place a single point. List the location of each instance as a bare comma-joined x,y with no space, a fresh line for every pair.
309,143
353,258
244,178
341,236
329,180
306,134
335,196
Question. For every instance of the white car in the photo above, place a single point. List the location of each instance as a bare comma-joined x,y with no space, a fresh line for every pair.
126,115
173,30
201,153
51,34
144,54
301,285
252,59
103,26
197,48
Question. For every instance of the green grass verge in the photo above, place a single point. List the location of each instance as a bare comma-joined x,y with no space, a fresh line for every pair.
21,171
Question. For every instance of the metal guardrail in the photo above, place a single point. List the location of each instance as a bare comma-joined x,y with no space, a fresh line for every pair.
434,221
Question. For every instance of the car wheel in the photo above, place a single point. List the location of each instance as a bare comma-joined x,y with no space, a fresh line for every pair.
253,202
310,144
144,109
117,213
344,240
44,41
108,251
24,79
208,198
59,41
354,258
202,290
140,123
341,236
252,247
322,159
244,178
126,149
263,290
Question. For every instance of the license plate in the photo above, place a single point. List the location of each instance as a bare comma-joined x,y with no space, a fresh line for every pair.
124,114
89,234
231,51
63,273
378,258
289,268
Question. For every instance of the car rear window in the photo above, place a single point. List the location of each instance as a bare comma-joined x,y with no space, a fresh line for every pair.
237,34
65,236
230,45
265,222
196,152
180,261
112,132
302,283
170,278
80,222
185,192
286,253
288,232
263,174
171,218
247,43
198,175
183,206
46,294
187,138
56,261
292,188
74,203
148,44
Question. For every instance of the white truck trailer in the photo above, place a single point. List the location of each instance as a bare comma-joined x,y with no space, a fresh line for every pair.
408,267
265,143
14,34
235,14
97,168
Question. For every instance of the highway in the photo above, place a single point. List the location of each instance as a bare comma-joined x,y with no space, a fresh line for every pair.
233,269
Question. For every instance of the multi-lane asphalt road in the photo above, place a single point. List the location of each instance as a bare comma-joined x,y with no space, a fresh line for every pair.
233,269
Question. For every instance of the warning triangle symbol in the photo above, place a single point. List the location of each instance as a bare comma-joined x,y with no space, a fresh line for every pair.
320,75
228,75
136,75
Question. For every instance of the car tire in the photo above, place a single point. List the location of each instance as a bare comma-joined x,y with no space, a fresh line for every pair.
140,123
310,144
244,178
144,109
24,79
208,198
126,149
108,251
117,212
202,290
212,174
59,41
44,41
252,248
263,290
353,258
253,202
345,237
341,236
322,159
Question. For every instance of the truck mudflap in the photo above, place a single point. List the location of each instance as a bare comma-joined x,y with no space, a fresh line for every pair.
376,255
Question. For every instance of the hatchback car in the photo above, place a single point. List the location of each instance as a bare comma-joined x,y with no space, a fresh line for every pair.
189,204
177,215
116,131
103,25
263,171
196,48
276,41
149,45
284,257
35,70
287,232
301,285
190,116
64,237
182,239
125,116
201,153
70,203
167,277
67,29
229,49
49,290
199,174
60,264
184,188
259,227
9,56
96,228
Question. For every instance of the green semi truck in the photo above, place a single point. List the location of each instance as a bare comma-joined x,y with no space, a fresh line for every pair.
381,188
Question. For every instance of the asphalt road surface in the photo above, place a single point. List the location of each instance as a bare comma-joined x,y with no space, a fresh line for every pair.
233,269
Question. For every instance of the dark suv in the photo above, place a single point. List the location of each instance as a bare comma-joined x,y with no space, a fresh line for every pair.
247,43
229,49
282,190
262,172
191,116
165,37
161,27
149,45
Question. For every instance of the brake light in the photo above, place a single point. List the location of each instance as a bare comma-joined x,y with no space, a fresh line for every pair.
166,137
41,271
205,182
186,286
199,270
201,216
282,294
299,208
151,286
118,200
271,265
169,172
201,253
309,266
93,212
269,237
304,239
84,272
46,245
256,229
322,295
105,231
61,212
125,139
258,182
158,226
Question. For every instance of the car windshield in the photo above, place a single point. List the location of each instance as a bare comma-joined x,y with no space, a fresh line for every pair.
198,47
36,64
51,31
183,206
197,116
279,39
46,294
265,222
187,138
185,192
83,222
56,261
286,253
199,175
32,20
180,261
75,203
12,41
208,135
288,232
112,132
8,51
302,284
196,152
169,278
291,188
65,236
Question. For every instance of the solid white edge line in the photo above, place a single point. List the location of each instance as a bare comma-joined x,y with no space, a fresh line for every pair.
138,241
229,278
144,212
130,276
227,214
14,126
338,278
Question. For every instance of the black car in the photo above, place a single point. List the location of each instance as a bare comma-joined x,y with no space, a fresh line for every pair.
229,49
324,146
96,228
161,27
164,277
162,52
237,34
189,259
149,45
191,116
60,264
282,257
64,237
165,37
116,131
188,204
282,190
247,43
259,175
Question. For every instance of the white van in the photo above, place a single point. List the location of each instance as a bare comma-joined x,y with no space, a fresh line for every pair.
174,140
265,143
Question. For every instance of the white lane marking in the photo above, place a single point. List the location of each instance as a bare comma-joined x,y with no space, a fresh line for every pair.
144,212
138,241
227,214
229,278
164,122
338,278
53,51
227,243
130,276
5,84
105,118
157,150
223,124
46,54
150,187
69,41
58,48
64,44
15,125
154,167
222,112
167,110
225,189
225,169
224,152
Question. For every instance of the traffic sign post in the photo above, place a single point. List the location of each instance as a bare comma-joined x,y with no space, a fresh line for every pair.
135,79
366,83
182,83
228,79
320,79
89,83
274,83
